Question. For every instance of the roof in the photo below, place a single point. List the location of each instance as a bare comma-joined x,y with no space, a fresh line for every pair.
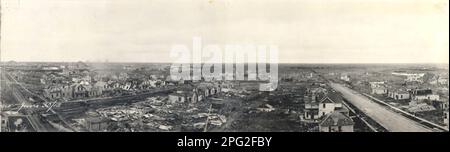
331,97
336,119
342,110
424,92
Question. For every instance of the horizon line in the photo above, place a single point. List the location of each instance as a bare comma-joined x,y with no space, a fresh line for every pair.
227,63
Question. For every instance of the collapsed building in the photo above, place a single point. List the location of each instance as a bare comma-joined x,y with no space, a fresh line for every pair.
193,94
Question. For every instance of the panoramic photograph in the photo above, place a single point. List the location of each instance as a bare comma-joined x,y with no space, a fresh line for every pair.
224,66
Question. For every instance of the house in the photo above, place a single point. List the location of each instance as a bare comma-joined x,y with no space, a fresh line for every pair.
127,86
151,84
113,85
311,108
328,103
399,94
80,91
377,84
95,92
194,94
345,78
96,124
74,91
67,92
379,90
411,77
424,94
54,92
182,97
176,98
414,77
336,122
439,80
208,89
442,81
317,106
440,104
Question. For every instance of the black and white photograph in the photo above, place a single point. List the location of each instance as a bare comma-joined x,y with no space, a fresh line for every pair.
224,66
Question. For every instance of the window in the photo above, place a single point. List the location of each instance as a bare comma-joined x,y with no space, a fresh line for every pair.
324,106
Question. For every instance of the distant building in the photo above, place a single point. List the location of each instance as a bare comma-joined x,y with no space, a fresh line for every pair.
113,85
58,92
411,77
195,94
182,97
75,91
336,122
442,81
126,86
80,91
437,80
424,94
345,78
414,78
376,84
399,94
379,90
151,84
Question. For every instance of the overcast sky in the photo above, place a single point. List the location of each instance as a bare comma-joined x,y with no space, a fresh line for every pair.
306,31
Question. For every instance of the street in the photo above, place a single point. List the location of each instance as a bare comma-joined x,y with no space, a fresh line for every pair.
32,115
390,120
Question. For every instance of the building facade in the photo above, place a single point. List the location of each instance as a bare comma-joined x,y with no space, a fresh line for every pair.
336,122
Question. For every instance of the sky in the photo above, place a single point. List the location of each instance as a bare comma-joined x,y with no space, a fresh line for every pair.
305,31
